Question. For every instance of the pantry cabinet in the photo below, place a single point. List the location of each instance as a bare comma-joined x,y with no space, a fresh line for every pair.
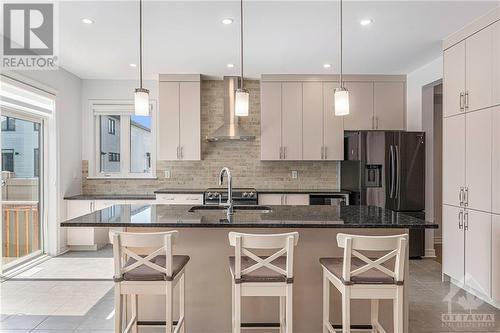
453,242
179,134
454,80
495,257
453,159
495,160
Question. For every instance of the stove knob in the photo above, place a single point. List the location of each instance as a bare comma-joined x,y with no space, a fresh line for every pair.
210,195
251,195
245,195
216,194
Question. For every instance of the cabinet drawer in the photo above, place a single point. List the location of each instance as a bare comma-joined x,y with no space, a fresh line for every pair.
179,199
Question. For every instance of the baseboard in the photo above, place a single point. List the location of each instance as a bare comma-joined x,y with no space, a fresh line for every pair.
94,247
430,253
11,273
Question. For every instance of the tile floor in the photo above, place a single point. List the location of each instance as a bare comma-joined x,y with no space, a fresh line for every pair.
82,306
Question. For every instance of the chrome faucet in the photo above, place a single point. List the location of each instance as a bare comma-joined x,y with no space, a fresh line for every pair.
229,204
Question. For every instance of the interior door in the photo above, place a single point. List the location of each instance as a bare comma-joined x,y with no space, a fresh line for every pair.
270,147
292,120
478,159
22,171
479,65
313,121
333,126
453,158
478,251
361,105
454,79
189,115
453,242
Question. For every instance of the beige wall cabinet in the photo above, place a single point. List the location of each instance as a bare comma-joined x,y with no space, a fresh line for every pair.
389,105
270,145
453,159
361,106
291,119
333,126
179,134
454,80
279,199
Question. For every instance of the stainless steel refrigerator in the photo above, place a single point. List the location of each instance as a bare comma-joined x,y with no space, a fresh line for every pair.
387,169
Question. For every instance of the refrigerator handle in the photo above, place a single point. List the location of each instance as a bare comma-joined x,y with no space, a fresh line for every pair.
398,172
391,166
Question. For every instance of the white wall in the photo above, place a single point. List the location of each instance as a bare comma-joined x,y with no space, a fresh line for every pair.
69,142
416,80
107,90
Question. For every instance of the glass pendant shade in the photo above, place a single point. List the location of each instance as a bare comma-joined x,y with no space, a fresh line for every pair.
241,103
341,96
141,102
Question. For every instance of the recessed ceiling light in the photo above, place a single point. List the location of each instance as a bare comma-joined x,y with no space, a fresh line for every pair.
327,65
87,21
133,65
227,21
366,22
230,65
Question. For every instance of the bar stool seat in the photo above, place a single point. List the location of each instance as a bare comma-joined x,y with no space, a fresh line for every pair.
262,274
336,265
146,273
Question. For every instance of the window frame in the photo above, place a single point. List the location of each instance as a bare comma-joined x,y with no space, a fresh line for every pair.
111,126
9,121
123,108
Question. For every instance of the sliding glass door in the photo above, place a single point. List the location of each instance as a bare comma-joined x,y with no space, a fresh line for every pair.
22,153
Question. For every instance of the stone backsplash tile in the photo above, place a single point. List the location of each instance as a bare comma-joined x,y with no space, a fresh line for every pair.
243,158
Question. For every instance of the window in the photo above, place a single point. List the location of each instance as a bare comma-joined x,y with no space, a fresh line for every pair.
111,126
8,160
125,142
36,162
36,127
8,124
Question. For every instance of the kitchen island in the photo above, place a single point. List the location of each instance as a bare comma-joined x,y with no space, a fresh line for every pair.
203,235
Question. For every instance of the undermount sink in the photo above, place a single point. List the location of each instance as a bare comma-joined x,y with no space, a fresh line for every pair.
256,209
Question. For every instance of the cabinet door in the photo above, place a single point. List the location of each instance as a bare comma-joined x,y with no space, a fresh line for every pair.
361,105
479,65
478,251
274,199
291,120
189,122
495,259
389,105
453,79
478,159
168,121
76,208
496,63
270,125
313,120
333,126
495,175
453,158
453,242
297,199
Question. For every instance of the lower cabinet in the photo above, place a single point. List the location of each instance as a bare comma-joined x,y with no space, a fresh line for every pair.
279,199
179,199
467,247
495,257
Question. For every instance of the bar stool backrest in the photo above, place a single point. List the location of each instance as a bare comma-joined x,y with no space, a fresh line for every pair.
393,246
284,243
123,242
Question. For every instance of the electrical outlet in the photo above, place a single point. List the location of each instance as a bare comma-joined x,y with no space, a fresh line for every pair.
167,173
295,174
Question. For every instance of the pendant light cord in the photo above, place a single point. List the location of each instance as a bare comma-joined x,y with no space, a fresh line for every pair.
241,41
140,42
341,82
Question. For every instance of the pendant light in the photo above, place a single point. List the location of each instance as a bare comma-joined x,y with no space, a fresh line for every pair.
242,96
141,95
341,94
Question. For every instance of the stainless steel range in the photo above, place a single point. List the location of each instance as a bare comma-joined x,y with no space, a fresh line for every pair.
241,196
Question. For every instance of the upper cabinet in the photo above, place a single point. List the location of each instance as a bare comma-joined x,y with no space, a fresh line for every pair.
179,134
361,106
454,80
389,105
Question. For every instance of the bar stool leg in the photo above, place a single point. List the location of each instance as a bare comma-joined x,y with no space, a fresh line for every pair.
118,309
237,308
374,315
182,303
398,311
282,313
326,303
169,307
289,308
133,301
346,310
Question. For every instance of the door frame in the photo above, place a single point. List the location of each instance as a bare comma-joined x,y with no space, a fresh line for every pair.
42,190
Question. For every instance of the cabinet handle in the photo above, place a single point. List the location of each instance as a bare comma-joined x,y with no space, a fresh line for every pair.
376,122
466,221
322,155
460,220
281,154
281,199
466,196
461,196
466,106
284,198
461,101
182,152
373,122
325,154
284,153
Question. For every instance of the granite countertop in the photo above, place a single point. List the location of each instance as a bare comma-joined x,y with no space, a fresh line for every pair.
111,197
176,216
181,191
302,191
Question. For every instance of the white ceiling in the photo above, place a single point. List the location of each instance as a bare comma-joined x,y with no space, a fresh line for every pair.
280,37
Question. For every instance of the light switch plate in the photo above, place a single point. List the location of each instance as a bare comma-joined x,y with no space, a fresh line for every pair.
295,174
167,173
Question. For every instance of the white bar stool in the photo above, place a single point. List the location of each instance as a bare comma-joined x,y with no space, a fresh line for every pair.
154,274
254,275
358,276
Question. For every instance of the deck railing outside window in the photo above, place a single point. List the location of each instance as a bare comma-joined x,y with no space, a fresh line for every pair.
21,229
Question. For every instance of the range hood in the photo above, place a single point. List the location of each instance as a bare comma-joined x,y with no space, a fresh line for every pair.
230,129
